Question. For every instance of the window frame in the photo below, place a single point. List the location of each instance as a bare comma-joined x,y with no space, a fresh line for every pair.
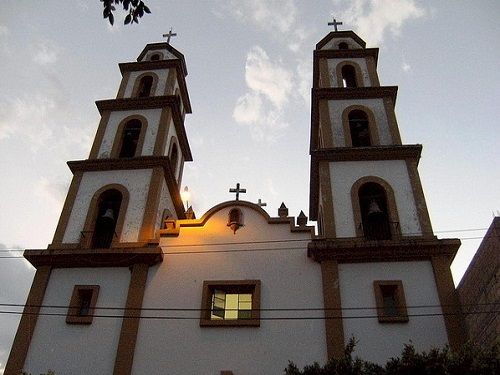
402,312
73,316
230,286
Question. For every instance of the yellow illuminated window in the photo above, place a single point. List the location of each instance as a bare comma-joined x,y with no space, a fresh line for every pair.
231,303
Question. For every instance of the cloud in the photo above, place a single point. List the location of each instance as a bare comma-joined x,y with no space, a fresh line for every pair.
51,191
373,19
271,79
278,18
406,67
248,108
46,53
270,15
28,117
270,87
4,31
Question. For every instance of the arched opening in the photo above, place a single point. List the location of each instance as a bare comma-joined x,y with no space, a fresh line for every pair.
145,85
359,128
343,45
174,157
108,209
349,76
235,219
130,138
155,57
374,212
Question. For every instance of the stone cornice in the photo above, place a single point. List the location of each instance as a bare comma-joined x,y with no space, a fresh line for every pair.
112,257
340,34
149,102
393,152
339,93
355,250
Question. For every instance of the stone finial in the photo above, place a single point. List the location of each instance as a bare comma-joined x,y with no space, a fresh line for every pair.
190,213
283,210
302,219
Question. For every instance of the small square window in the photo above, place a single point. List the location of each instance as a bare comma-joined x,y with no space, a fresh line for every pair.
82,304
230,303
391,302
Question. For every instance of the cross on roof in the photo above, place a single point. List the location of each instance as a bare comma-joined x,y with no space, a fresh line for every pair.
169,35
334,24
237,190
261,204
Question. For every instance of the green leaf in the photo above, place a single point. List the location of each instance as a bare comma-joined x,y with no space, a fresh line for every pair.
111,19
146,9
127,19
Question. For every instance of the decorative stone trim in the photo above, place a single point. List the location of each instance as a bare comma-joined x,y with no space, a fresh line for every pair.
354,93
372,125
118,139
135,89
235,286
174,228
73,316
358,72
340,35
112,257
402,312
357,250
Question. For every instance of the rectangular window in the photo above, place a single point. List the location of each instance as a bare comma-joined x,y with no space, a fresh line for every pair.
391,302
231,303
82,304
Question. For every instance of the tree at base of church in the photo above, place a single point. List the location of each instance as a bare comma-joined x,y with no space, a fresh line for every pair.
470,360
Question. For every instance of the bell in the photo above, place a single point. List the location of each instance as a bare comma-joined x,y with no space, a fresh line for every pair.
374,208
234,225
108,214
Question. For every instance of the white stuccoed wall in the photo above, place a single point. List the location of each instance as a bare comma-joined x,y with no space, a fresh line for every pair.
165,203
344,174
78,349
332,70
137,184
288,277
333,43
336,107
160,87
167,55
379,342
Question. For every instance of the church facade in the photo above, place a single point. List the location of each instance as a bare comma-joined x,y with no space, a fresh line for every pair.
132,283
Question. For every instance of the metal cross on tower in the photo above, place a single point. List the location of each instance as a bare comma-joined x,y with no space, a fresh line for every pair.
334,24
261,204
237,190
169,35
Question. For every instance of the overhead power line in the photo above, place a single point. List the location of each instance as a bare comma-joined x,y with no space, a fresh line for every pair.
261,318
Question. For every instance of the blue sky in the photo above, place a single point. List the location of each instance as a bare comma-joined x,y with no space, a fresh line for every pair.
250,72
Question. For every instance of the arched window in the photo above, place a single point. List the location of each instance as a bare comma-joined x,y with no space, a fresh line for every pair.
130,138
155,57
359,128
145,85
174,157
343,45
349,76
108,208
374,212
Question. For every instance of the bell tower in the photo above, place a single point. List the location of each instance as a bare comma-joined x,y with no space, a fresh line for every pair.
131,180
366,195
108,233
